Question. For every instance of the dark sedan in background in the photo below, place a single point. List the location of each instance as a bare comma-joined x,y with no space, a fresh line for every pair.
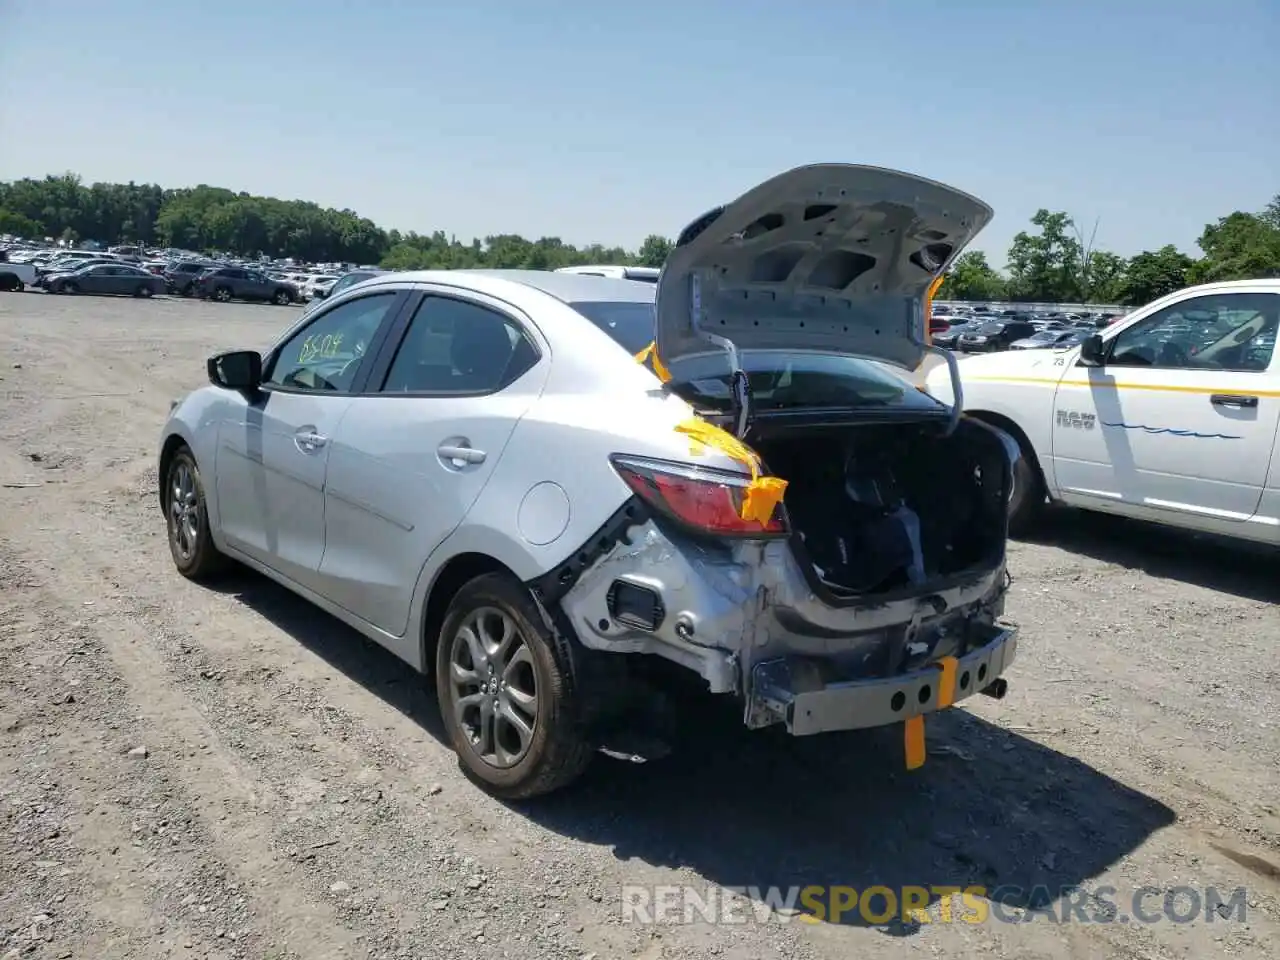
948,337
120,279
996,335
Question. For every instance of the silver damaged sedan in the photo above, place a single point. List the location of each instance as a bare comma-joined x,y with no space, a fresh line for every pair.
475,470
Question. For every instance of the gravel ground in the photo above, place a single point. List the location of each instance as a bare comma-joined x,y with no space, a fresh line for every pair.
231,774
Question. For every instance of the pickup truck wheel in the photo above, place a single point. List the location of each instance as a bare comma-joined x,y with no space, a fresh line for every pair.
187,517
1026,499
504,692
10,283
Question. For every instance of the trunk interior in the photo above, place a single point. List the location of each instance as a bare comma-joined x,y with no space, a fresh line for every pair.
883,507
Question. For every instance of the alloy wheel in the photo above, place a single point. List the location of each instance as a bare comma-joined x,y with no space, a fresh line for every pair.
493,687
184,510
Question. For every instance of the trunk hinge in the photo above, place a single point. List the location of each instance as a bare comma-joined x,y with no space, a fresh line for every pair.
739,386
957,392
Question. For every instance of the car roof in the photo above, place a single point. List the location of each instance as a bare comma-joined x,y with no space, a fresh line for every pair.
567,287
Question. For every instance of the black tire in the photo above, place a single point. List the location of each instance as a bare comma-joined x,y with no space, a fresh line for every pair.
1027,501
557,753
145,291
9,283
68,287
282,298
203,559
222,294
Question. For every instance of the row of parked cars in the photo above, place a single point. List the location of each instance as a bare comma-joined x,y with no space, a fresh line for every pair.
985,330
126,269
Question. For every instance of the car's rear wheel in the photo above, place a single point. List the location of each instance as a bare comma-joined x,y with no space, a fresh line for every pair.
144,291
68,287
222,294
187,517
282,298
504,692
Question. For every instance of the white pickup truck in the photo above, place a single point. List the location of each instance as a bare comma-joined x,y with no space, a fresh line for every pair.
15,276
1169,415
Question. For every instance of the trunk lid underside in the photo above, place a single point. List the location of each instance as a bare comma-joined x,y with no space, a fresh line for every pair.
829,258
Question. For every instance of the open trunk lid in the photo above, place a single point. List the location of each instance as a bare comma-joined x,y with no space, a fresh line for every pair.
829,258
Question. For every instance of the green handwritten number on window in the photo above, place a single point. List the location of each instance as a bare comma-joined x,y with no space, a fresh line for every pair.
315,348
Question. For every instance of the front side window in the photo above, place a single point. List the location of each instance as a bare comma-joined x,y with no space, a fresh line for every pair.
453,347
1226,331
326,355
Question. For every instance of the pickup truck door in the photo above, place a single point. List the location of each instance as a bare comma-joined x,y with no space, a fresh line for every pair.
1182,415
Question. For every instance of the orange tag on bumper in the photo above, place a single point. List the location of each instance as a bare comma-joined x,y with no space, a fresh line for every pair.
947,682
913,740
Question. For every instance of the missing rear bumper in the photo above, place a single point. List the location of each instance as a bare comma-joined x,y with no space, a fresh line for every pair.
779,693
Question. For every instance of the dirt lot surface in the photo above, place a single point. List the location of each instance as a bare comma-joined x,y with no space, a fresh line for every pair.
188,772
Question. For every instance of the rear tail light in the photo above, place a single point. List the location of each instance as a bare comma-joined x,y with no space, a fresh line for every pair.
700,498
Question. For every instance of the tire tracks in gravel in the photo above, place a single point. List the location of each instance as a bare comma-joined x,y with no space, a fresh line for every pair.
300,785
120,864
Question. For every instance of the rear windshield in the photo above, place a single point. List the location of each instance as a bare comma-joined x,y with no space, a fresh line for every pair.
793,381
630,323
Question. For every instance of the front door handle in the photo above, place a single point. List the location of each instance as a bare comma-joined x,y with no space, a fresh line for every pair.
1233,400
460,455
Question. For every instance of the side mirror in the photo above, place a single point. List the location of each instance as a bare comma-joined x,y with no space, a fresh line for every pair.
236,370
1092,351
318,294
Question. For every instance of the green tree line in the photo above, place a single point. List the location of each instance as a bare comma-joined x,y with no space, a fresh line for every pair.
1051,262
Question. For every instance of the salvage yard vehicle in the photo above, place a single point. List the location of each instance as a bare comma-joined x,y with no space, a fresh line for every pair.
1170,415
14,277
224,284
473,470
121,279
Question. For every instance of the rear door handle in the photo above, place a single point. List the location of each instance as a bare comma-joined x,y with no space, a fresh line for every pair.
1233,400
460,454
308,441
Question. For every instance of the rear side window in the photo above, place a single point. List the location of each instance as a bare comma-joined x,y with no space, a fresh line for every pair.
456,347
629,323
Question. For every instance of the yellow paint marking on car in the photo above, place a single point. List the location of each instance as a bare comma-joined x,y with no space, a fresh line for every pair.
1158,387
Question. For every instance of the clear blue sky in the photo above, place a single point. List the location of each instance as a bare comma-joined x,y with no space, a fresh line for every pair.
607,121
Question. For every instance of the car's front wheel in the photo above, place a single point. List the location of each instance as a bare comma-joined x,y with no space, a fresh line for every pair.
282,298
145,290
222,294
187,517
504,692
1027,498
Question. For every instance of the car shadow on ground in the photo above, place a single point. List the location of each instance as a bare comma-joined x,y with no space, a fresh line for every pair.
991,808
1239,568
